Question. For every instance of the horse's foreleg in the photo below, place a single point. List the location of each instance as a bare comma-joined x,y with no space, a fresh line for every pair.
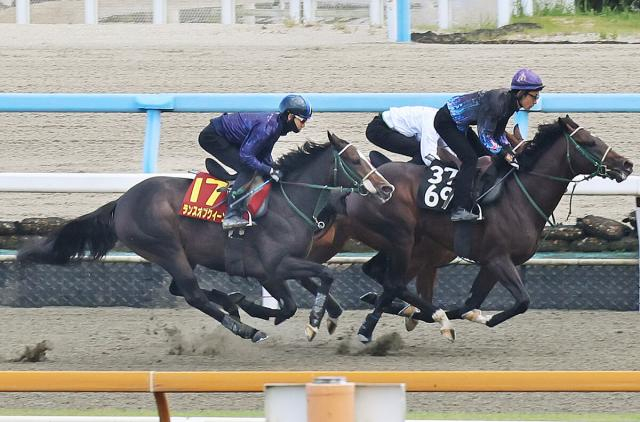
297,268
365,333
429,313
334,310
508,275
279,290
480,289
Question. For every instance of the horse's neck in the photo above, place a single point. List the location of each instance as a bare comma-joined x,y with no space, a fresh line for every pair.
319,172
546,192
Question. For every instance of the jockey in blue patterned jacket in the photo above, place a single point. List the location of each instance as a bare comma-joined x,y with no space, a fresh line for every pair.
244,142
490,111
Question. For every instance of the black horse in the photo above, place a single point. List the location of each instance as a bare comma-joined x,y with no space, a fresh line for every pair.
410,239
145,219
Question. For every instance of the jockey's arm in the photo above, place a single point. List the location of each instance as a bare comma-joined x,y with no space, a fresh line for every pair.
249,150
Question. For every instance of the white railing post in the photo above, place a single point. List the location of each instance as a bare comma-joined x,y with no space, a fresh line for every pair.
309,11
392,20
228,12
23,14
375,13
527,7
90,12
443,14
294,10
505,9
159,12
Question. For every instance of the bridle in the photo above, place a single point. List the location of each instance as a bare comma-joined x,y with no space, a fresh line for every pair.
600,170
338,165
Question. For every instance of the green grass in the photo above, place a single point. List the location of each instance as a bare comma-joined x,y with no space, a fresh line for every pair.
608,25
567,417
623,23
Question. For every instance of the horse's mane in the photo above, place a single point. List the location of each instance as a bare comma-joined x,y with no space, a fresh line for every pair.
547,134
301,156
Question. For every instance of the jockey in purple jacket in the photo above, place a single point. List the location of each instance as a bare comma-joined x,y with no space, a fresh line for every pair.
490,111
244,142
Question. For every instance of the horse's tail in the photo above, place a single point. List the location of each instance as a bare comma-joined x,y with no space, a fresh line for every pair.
93,232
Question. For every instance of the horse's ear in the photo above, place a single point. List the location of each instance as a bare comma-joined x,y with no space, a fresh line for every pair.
517,133
331,136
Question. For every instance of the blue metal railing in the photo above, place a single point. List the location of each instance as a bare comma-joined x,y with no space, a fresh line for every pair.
154,104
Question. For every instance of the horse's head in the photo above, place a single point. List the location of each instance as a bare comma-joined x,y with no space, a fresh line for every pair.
360,170
588,154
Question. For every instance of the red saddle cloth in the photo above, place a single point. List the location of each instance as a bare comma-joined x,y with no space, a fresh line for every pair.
206,199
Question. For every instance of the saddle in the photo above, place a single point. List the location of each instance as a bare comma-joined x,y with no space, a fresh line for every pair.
437,194
206,198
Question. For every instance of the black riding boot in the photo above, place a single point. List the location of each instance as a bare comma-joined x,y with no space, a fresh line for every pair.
233,217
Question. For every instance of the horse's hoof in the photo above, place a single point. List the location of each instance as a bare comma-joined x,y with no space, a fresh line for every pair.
310,331
364,339
332,324
408,311
475,315
236,297
410,324
449,334
259,336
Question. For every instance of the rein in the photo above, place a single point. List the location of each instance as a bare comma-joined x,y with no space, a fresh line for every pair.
323,198
600,170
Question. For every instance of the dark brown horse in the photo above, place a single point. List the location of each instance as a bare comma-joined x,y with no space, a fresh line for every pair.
145,219
407,236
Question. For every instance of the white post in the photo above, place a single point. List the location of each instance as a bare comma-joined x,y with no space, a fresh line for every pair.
269,301
527,7
375,12
505,9
294,10
90,12
228,12
392,21
309,11
159,12
443,14
22,11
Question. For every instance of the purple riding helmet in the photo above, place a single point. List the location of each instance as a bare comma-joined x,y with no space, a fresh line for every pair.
527,80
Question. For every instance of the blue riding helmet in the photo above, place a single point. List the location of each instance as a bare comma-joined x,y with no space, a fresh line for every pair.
296,105
526,80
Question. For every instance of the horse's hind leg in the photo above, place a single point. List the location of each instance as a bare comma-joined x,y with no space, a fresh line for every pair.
334,310
215,296
185,281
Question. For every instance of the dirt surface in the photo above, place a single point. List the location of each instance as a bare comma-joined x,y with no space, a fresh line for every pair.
134,339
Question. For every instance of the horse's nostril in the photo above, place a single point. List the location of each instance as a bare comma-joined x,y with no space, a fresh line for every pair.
388,189
628,166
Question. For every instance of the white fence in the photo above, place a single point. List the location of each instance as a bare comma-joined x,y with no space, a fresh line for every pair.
445,13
